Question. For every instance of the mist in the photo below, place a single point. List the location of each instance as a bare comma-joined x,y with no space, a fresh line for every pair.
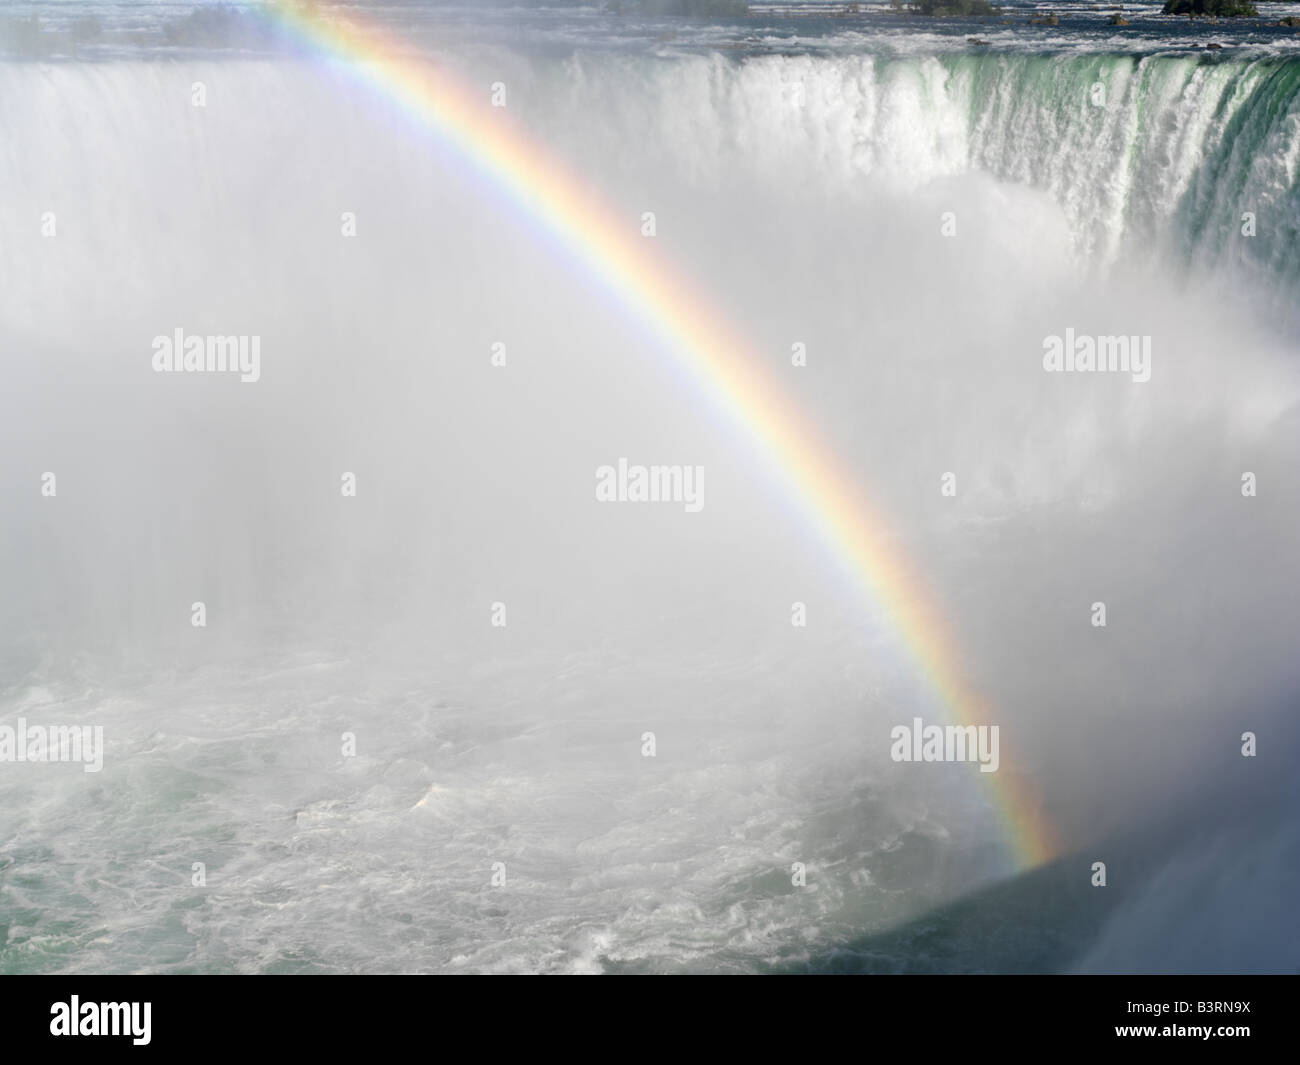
919,247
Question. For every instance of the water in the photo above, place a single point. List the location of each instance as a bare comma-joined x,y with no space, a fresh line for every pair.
799,167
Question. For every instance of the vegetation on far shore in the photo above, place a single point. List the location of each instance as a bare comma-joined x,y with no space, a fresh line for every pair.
949,8
1218,8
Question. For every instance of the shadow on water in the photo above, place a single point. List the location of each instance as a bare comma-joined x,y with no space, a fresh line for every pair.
1204,890
1041,921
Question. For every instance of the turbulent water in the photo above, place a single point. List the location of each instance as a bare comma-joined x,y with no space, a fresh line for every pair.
919,213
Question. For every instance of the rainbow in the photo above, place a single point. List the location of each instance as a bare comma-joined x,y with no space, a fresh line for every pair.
609,246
